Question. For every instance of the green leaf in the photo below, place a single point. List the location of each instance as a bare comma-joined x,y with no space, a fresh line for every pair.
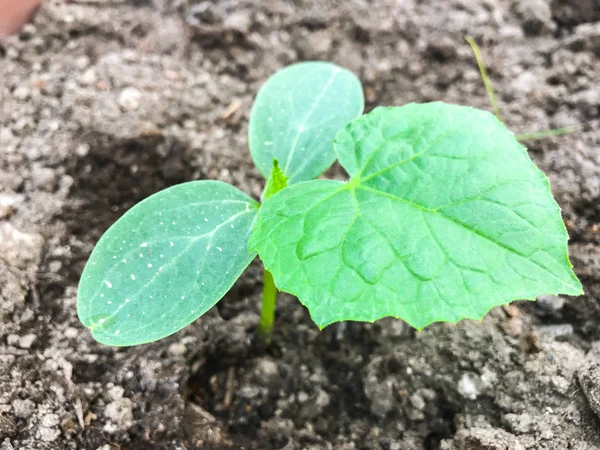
445,217
166,262
276,182
297,114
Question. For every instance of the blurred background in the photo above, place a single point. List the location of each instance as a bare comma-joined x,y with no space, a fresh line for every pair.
105,102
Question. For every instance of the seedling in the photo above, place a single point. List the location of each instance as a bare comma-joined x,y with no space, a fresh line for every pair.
443,217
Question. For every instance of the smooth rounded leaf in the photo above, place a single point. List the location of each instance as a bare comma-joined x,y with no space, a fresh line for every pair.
166,262
296,115
445,216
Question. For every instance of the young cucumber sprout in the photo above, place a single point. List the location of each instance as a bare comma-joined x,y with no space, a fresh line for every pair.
443,217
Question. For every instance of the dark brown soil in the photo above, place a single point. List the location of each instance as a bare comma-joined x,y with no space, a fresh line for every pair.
103,103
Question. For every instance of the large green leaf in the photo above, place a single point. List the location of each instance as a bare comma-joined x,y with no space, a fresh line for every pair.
444,217
166,262
297,114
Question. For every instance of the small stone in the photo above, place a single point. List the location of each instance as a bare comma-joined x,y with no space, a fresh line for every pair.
554,331
28,30
22,93
115,393
27,341
380,394
513,326
551,303
520,423
323,399
23,408
6,136
314,407
302,396
204,13
27,316
82,150
575,12
536,17
428,394
49,434
589,379
83,62
315,45
129,100
43,178
417,402
468,386
120,413
54,266
177,350
71,332
239,21
267,370
88,77
50,420
560,383
525,83
8,204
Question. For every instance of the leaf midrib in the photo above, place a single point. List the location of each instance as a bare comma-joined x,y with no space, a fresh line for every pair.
313,107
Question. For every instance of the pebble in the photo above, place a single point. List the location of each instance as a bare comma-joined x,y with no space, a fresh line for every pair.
50,420
8,204
560,383
589,380
314,407
48,434
120,412
380,395
267,370
54,266
88,77
71,332
575,12
177,350
555,331
43,178
22,93
536,17
27,340
551,303
129,100
115,393
23,408
417,402
302,396
468,386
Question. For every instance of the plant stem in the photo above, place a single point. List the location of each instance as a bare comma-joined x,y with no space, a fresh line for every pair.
267,315
547,133
486,79
276,182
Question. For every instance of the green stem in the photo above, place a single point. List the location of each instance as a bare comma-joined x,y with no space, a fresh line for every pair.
276,182
267,315
547,133
486,79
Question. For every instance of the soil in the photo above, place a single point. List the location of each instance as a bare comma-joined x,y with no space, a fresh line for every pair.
103,103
